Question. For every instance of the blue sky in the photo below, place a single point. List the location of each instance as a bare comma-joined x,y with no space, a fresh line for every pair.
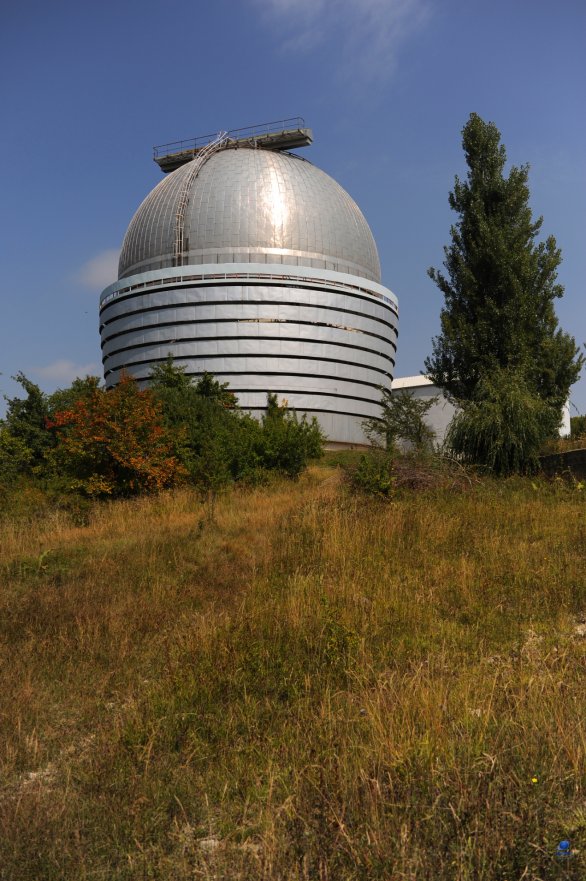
88,88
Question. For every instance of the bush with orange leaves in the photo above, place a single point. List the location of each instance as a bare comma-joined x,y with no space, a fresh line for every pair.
115,443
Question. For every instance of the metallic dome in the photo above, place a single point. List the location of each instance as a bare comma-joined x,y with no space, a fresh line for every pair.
251,205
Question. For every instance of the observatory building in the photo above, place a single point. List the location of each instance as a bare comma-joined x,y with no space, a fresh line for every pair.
248,262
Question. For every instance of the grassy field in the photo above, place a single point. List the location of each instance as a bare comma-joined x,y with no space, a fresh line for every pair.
314,686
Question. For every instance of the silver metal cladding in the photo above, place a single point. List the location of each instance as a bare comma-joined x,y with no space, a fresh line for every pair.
279,290
254,206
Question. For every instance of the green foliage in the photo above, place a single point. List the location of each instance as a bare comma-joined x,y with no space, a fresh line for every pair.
402,418
373,475
25,429
80,389
213,439
500,285
27,442
220,448
168,376
578,427
221,445
287,443
503,427
15,458
219,439
123,441
209,388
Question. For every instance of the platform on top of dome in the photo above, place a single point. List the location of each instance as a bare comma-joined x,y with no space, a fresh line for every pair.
281,134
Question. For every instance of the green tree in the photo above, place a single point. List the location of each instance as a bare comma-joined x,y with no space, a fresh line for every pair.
288,443
578,427
27,439
500,284
221,444
80,388
209,388
15,458
402,418
170,377
503,428
213,437
25,427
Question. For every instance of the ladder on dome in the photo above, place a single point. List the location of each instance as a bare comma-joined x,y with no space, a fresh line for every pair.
195,167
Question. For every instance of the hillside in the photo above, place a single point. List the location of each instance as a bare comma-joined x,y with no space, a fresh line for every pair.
313,686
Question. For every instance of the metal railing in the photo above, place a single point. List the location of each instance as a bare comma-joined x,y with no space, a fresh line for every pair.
250,131
292,280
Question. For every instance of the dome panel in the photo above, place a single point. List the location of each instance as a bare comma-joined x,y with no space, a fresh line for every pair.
248,205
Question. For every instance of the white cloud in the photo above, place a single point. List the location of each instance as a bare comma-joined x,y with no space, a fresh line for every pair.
368,33
99,271
64,370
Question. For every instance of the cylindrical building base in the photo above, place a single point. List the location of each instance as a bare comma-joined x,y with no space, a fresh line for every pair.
322,341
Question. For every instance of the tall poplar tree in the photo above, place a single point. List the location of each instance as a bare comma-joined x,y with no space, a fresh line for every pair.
500,284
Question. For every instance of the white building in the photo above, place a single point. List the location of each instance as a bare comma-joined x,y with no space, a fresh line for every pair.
440,414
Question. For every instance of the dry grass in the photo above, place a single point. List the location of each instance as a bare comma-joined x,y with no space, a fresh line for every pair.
564,445
312,687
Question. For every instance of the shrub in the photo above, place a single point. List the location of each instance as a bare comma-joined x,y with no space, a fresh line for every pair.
287,443
578,427
114,443
402,419
25,438
504,427
221,444
15,457
373,475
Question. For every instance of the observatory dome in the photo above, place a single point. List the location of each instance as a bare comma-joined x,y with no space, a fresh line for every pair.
255,266
251,205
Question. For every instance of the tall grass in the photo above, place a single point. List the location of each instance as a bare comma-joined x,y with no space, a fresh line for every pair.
312,687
